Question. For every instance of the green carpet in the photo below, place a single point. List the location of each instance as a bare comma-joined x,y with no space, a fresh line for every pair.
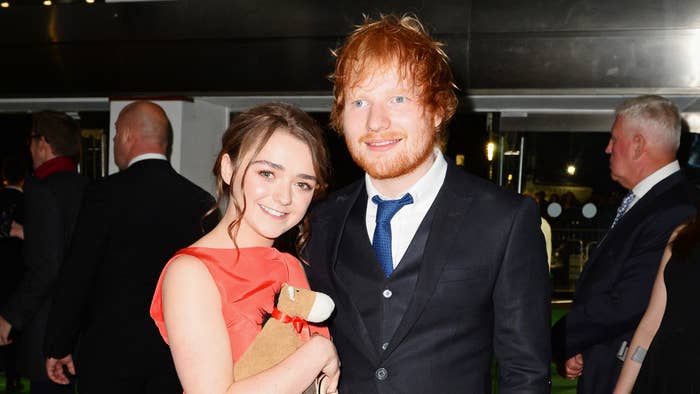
25,386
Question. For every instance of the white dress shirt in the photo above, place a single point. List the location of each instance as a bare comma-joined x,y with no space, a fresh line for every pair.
147,156
647,183
406,221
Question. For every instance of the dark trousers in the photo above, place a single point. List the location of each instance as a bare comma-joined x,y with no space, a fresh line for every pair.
49,387
154,379
8,356
113,385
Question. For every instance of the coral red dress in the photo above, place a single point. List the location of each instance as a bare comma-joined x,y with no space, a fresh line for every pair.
247,279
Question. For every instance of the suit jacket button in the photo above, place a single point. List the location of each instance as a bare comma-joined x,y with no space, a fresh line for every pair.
385,345
387,293
381,374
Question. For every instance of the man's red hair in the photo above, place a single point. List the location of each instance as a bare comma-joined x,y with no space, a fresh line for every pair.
394,41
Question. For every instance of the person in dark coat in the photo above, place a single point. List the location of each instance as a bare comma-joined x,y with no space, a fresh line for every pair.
52,200
459,275
12,261
130,224
613,290
664,349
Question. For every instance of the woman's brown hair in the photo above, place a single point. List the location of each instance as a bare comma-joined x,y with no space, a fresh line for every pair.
249,132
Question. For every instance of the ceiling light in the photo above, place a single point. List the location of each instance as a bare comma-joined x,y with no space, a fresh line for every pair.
47,2
89,1
134,1
4,4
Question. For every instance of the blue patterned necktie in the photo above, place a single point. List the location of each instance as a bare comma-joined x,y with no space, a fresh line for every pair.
623,207
381,242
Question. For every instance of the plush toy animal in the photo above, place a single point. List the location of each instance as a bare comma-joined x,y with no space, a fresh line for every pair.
285,331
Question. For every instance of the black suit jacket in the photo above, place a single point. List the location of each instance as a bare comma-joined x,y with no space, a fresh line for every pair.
482,289
130,224
613,290
11,261
51,208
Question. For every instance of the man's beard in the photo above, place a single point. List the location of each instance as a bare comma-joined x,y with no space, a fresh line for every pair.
395,166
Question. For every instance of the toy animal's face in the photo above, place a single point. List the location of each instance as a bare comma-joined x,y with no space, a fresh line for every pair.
296,301
305,303
292,293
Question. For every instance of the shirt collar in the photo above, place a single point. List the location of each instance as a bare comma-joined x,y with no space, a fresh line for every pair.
147,156
647,183
426,185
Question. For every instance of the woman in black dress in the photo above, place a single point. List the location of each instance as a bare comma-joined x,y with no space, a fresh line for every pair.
672,321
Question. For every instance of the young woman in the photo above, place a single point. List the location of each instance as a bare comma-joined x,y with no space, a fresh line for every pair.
209,300
670,326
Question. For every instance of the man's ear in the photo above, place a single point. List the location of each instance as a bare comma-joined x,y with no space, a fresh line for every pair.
437,120
127,133
639,144
226,169
45,147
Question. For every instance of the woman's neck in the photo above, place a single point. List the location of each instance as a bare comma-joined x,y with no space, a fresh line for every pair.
219,237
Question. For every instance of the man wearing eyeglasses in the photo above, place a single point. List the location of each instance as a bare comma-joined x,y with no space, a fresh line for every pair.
52,200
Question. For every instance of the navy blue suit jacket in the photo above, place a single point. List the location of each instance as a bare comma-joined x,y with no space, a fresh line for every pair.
482,290
613,290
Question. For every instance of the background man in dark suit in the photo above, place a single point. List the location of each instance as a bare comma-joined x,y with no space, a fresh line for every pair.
130,224
52,201
11,258
614,287
423,299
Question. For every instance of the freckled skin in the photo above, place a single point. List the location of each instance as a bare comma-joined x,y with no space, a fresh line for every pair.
386,127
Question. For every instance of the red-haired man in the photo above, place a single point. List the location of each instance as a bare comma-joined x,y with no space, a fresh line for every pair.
433,270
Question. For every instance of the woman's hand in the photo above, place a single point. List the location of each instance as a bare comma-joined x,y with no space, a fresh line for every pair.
330,372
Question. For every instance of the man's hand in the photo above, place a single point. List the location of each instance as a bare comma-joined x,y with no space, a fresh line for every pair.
54,369
573,368
5,328
16,230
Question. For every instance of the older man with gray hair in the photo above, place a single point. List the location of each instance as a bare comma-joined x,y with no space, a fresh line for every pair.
614,287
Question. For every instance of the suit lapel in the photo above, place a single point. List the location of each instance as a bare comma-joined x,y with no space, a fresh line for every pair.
632,217
451,208
639,209
337,218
